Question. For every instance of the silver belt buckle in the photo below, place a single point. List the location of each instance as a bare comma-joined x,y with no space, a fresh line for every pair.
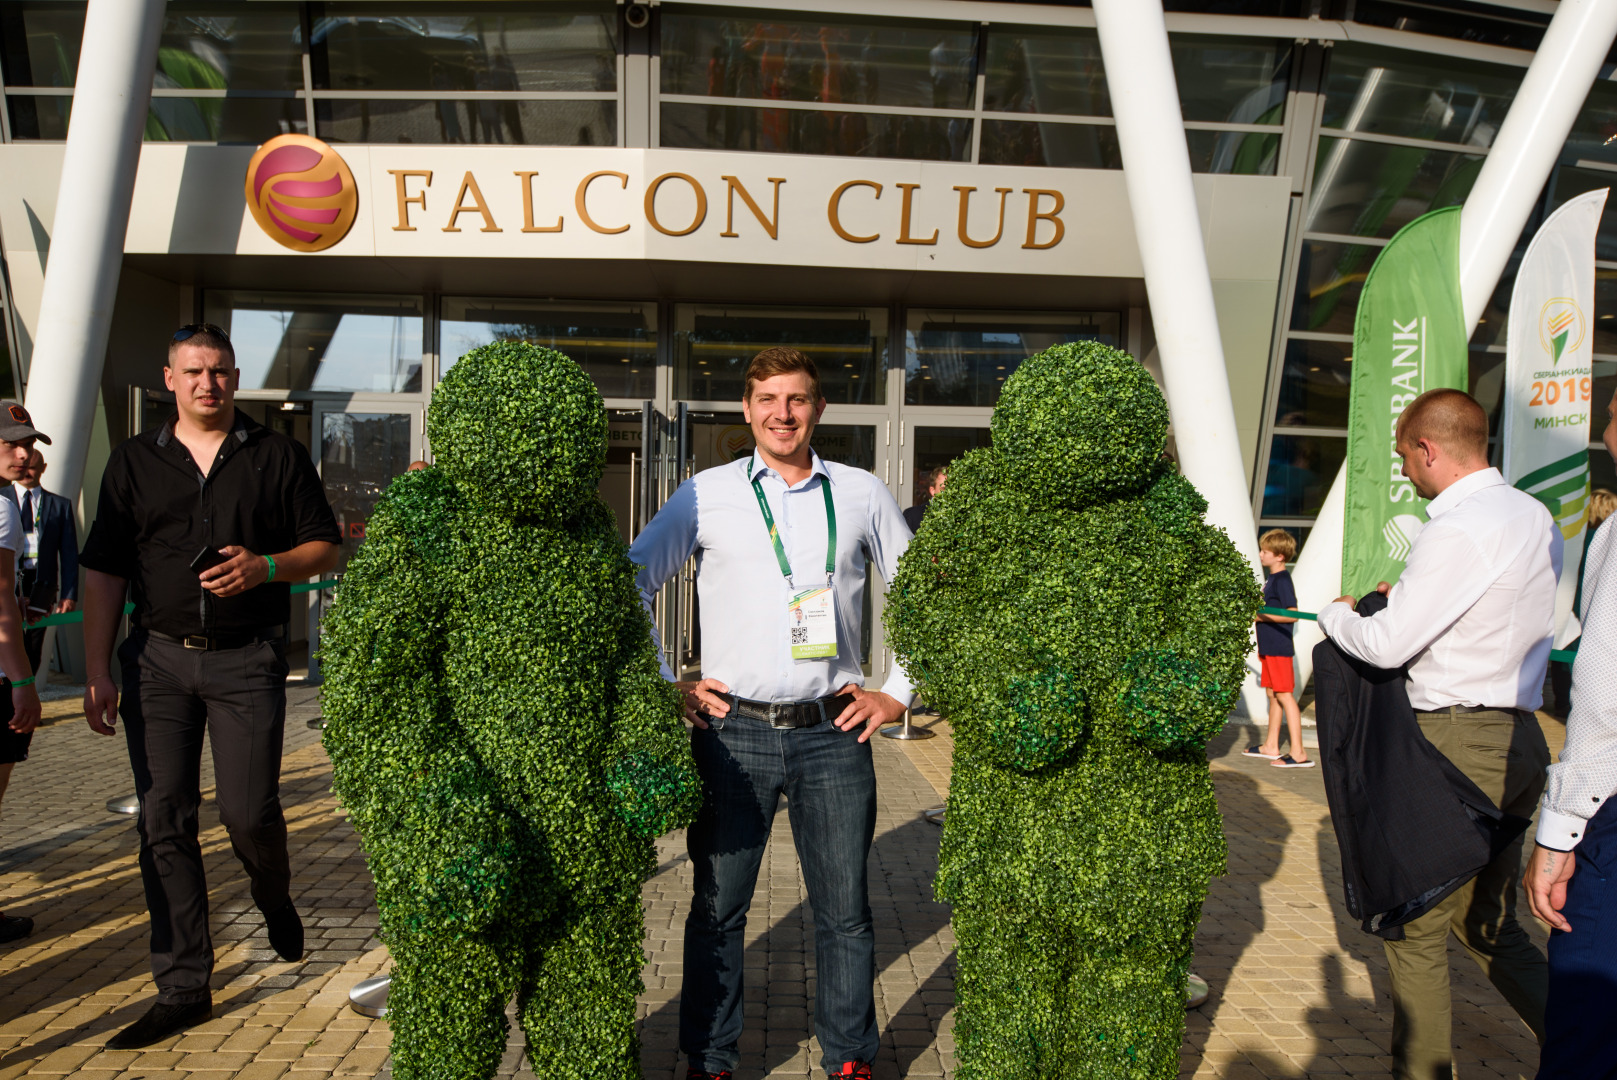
774,715
195,641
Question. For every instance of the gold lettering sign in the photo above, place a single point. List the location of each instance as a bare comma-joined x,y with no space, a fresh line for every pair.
651,204
965,200
478,206
527,206
400,176
732,189
833,208
904,236
1052,216
583,192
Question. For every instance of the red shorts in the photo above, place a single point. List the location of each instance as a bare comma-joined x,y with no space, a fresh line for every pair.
1278,674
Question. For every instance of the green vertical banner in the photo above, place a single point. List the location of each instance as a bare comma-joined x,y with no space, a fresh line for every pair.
1408,337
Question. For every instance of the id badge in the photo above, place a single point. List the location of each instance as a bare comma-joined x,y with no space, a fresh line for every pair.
812,617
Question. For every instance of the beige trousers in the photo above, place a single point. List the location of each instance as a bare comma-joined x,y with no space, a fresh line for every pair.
1503,752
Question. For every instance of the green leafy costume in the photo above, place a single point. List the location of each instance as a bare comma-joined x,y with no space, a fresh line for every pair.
500,732
1083,630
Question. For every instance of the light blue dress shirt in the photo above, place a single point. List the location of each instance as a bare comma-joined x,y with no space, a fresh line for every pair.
745,629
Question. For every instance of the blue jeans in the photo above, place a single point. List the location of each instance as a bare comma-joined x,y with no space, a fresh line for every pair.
829,781
1579,1043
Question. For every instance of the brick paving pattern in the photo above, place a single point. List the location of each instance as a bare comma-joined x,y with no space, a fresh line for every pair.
1298,990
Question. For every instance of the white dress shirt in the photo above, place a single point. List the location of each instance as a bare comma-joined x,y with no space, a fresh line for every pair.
1474,609
745,626
1586,775
30,553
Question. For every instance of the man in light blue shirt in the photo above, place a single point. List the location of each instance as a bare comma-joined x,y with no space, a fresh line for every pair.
781,539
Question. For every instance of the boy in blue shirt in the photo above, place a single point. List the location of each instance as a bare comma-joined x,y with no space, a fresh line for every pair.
1276,548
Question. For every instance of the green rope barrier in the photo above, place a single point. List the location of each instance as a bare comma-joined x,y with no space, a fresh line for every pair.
1565,656
78,616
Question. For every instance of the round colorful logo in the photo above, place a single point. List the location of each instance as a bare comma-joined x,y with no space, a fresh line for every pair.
1560,327
301,193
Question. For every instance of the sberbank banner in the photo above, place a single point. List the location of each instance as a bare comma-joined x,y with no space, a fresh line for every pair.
1408,337
1549,382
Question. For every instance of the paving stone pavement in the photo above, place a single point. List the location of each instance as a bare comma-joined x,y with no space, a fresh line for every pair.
1298,990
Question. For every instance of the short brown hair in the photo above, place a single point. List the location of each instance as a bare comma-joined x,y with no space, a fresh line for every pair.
781,360
1602,502
200,336
1450,418
1279,542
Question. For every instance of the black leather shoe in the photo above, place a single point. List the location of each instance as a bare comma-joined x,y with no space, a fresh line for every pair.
15,927
285,932
159,1023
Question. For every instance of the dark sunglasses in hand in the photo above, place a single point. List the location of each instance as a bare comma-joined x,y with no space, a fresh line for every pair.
192,329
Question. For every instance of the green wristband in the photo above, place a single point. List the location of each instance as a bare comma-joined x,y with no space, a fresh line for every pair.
23,682
271,560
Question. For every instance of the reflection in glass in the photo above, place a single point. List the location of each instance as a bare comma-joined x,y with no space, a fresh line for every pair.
360,454
1516,29
847,444
1594,132
1330,277
290,341
861,61
964,357
1301,468
615,344
1314,384
1045,71
223,120
1374,189
1241,153
1568,182
1071,146
1419,95
446,46
534,123
939,446
1231,80
39,117
230,46
799,131
713,345
40,42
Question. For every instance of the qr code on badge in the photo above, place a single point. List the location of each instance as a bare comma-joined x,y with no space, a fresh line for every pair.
799,635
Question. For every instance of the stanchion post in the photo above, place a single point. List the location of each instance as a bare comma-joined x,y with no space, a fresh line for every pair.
906,731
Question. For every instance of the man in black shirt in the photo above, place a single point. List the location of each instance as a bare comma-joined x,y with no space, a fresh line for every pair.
204,521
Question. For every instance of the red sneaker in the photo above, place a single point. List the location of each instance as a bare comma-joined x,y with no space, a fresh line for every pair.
854,1070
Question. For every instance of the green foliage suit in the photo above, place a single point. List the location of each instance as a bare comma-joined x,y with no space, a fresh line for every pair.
500,732
1083,630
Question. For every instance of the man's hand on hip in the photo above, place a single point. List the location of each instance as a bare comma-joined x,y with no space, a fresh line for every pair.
101,704
1548,872
703,697
872,708
242,570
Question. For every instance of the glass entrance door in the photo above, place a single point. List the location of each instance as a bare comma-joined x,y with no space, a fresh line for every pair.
359,449
930,442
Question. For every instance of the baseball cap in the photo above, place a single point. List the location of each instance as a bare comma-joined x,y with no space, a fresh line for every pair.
16,425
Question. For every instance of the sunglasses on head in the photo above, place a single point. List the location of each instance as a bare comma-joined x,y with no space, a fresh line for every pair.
192,329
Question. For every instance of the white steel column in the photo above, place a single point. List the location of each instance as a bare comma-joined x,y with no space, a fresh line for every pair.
1156,170
110,100
1513,175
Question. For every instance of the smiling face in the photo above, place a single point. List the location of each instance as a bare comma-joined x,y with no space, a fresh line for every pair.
782,412
204,382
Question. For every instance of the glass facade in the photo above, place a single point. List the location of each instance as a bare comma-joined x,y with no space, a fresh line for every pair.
615,344
712,344
322,342
964,357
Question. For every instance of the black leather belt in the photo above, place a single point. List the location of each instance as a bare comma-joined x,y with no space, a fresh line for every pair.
790,714
235,639
1520,713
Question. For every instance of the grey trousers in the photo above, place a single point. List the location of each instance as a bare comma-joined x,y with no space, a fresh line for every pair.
171,696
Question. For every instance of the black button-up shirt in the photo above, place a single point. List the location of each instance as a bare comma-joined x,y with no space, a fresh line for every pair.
158,510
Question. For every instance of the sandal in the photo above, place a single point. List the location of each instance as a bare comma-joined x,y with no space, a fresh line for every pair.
1255,750
1286,761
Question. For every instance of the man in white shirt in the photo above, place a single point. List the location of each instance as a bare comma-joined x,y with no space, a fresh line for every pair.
781,540
1471,616
48,569
1568,874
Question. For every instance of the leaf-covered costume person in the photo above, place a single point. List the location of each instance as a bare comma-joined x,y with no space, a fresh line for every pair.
1083,630
500,731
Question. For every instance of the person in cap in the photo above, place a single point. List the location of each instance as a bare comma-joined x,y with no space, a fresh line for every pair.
204,522
19,703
